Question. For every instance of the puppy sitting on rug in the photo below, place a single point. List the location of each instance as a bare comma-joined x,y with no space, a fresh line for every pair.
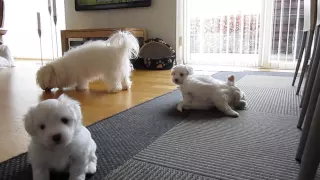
59,141
205,92
108,60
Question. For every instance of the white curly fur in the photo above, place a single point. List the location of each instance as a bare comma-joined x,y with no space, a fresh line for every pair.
73,151
205,92
108,60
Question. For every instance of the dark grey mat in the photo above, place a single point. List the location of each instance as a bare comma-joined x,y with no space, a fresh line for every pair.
121,138
260,144
255,146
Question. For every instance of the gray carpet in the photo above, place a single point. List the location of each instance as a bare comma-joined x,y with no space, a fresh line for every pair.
260,144
154,141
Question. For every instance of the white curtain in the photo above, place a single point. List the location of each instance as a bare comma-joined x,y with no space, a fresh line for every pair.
22,36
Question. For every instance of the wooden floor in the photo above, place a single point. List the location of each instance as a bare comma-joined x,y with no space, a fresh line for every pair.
18,91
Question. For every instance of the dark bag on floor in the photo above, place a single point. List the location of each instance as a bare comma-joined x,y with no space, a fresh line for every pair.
155,54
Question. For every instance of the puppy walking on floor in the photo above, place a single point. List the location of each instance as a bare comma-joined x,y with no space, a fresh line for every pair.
108,60
59,141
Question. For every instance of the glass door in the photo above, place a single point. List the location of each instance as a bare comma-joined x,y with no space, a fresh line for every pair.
245,33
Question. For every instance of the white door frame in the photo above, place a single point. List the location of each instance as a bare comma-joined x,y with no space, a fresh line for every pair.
265,41
181,32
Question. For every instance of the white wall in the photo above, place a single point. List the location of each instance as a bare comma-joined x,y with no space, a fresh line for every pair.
159,19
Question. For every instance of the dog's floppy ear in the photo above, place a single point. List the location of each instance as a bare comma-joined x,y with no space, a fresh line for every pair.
29,122
189,70
231,80
73,105
173,69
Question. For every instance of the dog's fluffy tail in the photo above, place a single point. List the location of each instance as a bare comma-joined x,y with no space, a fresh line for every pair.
127,42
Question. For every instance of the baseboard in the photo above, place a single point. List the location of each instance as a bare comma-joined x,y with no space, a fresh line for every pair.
31,59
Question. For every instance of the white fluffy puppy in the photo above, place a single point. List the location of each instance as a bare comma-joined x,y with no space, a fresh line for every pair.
108,60
204,92
59,141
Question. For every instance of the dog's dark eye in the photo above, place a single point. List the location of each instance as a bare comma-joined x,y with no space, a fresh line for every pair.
42,126
64,120
181,75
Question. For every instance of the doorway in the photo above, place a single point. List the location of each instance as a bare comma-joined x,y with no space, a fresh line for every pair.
241,33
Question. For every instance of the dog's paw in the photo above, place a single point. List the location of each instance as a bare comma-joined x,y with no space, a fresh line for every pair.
233,114
242,105
114,89
91,168
126,85
180,107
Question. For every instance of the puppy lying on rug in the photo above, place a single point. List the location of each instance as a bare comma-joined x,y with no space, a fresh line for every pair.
59,141
205,92
109,60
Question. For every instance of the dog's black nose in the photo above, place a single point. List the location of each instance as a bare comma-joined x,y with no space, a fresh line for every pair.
176,80
56,138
